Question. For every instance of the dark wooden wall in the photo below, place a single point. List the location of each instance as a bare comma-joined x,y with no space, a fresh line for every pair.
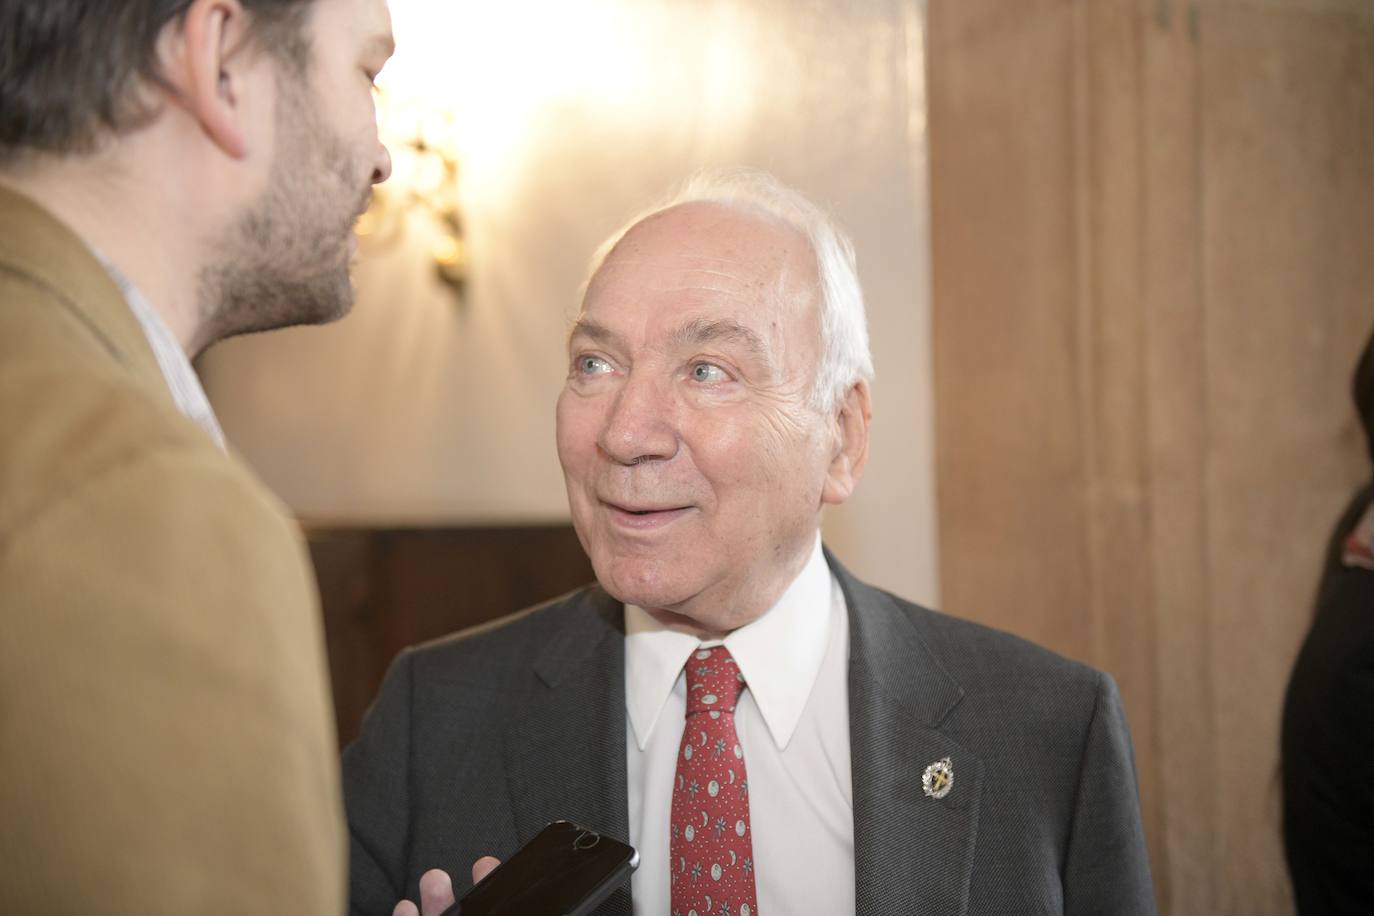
383,589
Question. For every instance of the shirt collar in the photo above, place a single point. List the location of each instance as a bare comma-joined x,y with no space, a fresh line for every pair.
779,654
181,379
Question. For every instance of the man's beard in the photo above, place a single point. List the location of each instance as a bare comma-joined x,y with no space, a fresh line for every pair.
285,261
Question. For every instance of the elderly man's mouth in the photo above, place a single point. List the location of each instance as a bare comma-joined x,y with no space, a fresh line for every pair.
644,518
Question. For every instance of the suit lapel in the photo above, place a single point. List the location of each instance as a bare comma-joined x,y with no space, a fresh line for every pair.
912,853
565,758
35,244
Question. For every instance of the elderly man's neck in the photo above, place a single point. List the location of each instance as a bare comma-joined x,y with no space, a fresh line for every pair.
681,623
133,221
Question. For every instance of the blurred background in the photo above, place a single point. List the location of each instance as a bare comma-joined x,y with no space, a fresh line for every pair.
1118,257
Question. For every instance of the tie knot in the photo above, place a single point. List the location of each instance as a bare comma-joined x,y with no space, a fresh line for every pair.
713,681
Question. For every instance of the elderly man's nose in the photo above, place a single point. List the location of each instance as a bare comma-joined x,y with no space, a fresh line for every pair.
639,425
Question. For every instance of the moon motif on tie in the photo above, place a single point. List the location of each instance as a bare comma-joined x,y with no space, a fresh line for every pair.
679,780
733,857
704,819
732,777
708,903
703,739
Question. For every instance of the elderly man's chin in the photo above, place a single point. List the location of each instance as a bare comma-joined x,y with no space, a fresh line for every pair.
653,583
678,592
640,581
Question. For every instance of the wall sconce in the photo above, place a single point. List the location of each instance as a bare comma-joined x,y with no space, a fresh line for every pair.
424,176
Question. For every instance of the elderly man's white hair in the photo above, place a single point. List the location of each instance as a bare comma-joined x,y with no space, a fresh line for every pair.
845,357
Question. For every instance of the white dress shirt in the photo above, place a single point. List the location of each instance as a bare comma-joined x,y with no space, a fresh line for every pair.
181,379
793,723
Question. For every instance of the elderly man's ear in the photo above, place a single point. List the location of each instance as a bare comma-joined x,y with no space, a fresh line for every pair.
851,447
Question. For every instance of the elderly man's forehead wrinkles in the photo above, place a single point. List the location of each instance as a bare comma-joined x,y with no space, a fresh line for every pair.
693,254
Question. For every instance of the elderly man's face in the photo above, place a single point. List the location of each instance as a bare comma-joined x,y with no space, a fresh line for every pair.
696,466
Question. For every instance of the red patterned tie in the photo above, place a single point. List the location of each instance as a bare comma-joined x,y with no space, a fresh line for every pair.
712,846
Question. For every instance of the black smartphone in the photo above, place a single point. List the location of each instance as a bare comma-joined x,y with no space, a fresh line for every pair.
566,870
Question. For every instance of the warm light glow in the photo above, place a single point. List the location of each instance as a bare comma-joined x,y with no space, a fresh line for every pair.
492,65
448,251
498,67
478,91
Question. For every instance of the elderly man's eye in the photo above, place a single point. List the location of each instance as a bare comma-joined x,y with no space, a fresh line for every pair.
708,372
592,365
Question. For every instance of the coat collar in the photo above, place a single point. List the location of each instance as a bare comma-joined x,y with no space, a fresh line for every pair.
912,853
36,245
565,758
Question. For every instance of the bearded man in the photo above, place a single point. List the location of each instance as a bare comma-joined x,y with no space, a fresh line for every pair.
773,735
172,172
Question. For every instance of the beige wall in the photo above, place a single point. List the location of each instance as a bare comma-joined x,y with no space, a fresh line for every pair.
417,409
1152,228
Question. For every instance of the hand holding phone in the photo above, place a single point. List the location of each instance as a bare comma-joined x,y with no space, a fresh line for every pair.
566,870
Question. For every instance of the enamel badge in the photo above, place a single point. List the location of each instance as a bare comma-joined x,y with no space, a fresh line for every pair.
938,779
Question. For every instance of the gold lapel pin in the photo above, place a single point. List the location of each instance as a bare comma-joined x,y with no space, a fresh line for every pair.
938,779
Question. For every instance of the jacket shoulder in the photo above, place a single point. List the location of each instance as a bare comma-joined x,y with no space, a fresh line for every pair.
974,653
506,644
73,410
65,427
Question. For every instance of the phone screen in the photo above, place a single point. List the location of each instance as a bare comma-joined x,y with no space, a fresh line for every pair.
566,870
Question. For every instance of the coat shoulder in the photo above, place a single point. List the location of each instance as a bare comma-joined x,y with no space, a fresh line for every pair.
973,652
989,683
74,416
491,652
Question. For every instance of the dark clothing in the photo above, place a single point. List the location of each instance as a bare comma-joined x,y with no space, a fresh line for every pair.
1328,714
1328,740
476,741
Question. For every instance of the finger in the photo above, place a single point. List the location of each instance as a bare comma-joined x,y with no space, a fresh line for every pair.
483,866
436,892
405,908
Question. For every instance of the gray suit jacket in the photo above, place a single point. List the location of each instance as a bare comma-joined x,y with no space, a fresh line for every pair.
477,740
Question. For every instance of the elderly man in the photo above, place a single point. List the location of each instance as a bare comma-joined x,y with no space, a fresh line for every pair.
171,172
772,734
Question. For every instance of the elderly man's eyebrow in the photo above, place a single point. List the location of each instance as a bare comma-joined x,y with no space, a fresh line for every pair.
721,330
692,334
593,331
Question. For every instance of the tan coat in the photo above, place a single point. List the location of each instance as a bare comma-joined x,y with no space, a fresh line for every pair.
166,737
